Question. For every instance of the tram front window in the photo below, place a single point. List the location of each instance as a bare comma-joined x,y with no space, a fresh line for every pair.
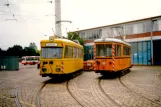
55,52
104,50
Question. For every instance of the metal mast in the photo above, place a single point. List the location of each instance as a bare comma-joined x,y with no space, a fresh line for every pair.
57,17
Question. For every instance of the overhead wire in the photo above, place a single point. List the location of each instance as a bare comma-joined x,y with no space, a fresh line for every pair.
13,14
4,11
27,16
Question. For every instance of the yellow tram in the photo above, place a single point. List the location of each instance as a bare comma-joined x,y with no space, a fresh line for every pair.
60,57
111,55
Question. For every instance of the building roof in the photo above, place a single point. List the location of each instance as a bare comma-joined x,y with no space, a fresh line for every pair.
111,40
149,18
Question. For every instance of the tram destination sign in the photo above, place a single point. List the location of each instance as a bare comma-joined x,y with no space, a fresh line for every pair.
51,44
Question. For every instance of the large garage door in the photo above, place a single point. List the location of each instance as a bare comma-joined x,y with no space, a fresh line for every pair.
157,52
141,53
89,53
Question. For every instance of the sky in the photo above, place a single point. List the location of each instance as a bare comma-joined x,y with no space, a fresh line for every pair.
25,21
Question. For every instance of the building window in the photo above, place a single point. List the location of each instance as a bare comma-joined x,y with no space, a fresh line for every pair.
90,36
147,26
99,33
82,35
129,29
155,26
75,53
138,28
159,25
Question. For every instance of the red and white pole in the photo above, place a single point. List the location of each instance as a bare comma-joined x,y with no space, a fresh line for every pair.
113,56
94,57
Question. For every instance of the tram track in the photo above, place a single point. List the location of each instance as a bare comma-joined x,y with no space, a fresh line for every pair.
66,83
12,91
102,90
17,90
69,91
122,83
157,79
38,94
91,93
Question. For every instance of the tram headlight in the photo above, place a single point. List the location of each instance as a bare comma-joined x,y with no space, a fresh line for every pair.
57,69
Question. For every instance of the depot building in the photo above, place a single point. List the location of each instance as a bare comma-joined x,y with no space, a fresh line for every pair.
144,35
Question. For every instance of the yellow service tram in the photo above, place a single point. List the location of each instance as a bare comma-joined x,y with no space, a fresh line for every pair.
60,56
111,55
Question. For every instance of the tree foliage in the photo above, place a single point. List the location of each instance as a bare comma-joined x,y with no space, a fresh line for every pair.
75,36
29,51
2,52
17,50
33,45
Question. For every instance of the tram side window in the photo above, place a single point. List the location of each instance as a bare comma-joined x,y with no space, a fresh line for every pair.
81,56
126,50
75,53
80,53
68,52
118,50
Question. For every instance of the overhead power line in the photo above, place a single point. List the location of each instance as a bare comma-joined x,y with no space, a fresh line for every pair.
4,11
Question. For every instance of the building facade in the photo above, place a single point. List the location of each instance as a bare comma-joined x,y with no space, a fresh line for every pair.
144,36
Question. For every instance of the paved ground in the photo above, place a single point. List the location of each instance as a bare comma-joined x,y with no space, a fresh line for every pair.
139,88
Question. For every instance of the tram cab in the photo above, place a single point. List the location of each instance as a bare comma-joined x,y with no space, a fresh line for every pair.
111,55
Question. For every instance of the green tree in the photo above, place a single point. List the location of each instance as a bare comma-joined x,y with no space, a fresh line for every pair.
29,51
37,52
75,36
3,52
33,45
16,50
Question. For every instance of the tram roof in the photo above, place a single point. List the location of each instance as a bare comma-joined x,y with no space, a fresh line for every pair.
111,40
61,40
